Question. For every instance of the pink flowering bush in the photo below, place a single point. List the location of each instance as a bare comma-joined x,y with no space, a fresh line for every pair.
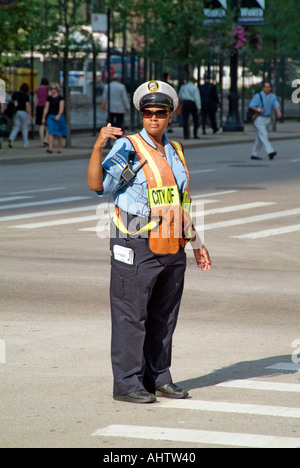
237,35
237,39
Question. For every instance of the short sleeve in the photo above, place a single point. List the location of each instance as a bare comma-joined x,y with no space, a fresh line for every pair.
115,163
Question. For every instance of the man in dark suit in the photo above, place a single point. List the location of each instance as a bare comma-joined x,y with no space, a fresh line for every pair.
210,103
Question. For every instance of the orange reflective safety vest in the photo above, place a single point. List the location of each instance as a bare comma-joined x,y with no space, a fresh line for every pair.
169,225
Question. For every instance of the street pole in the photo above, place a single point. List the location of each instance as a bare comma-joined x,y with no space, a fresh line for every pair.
66,86
108,64
94,77
233,123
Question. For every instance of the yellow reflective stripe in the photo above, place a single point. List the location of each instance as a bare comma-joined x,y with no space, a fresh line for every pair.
149,226
119,224
163,196
186,202
122,228
179,151
145,152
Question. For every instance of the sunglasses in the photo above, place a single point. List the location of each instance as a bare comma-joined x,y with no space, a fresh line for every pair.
159,114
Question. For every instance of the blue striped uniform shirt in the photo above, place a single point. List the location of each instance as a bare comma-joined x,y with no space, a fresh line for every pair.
132,197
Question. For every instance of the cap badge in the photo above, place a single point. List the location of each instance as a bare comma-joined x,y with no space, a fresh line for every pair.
153,86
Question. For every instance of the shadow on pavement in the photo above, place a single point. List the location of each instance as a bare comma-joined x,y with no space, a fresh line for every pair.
240,370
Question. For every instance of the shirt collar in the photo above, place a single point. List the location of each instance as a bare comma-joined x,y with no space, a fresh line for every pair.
146,137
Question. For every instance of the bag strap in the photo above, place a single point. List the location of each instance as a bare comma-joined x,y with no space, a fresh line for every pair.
262,102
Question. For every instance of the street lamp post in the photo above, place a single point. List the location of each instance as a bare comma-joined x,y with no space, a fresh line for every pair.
233,123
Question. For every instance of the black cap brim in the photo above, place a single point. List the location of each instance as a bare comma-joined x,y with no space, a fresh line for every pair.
156,99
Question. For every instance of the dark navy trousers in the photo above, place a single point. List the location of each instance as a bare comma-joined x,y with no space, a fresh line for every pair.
145,299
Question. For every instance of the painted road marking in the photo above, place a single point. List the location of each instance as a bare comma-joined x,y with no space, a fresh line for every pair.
9,199
57,222
226,192
50,189
197,436
252,219
224,407
230,209
48,213
260,385
227,209
43,202
285,366
269,232
198,171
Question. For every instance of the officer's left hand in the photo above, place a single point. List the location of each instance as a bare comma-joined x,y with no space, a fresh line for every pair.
202,258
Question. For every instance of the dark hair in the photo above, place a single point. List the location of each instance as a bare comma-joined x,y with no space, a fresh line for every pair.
44,81
24,87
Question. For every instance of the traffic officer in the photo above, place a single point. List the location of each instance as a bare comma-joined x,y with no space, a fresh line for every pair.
149,181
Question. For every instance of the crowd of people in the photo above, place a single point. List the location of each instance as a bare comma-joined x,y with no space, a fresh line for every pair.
196,101
47,113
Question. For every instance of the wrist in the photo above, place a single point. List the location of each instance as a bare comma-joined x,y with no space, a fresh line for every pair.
98,147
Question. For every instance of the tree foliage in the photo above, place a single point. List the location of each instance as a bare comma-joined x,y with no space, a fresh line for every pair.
169,30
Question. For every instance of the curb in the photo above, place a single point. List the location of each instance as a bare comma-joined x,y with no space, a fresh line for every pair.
86,152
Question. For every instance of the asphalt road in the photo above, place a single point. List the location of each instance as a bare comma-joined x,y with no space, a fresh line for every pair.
237,343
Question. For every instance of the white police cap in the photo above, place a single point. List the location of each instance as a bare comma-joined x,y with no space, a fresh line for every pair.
155,93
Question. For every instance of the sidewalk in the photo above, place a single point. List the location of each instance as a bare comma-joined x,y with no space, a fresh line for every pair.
82,144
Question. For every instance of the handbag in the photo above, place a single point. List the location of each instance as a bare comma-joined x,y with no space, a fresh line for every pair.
252,114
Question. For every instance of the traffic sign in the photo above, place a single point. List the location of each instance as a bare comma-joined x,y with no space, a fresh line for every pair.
214,10
99,23
252,12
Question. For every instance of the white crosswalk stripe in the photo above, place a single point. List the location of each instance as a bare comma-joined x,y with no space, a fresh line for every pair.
260,385
100,218
42,203
269,232
198,436
230,439
252,219
227,209
225,407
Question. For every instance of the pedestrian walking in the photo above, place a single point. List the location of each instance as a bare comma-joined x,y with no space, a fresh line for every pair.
40,99
119,103
209,103
149,181
22,117
190,96
54,113
264,102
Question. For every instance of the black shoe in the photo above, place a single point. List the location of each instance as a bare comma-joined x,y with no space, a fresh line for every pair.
171,391
136,397
272,155
9,144
256,157
196,138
